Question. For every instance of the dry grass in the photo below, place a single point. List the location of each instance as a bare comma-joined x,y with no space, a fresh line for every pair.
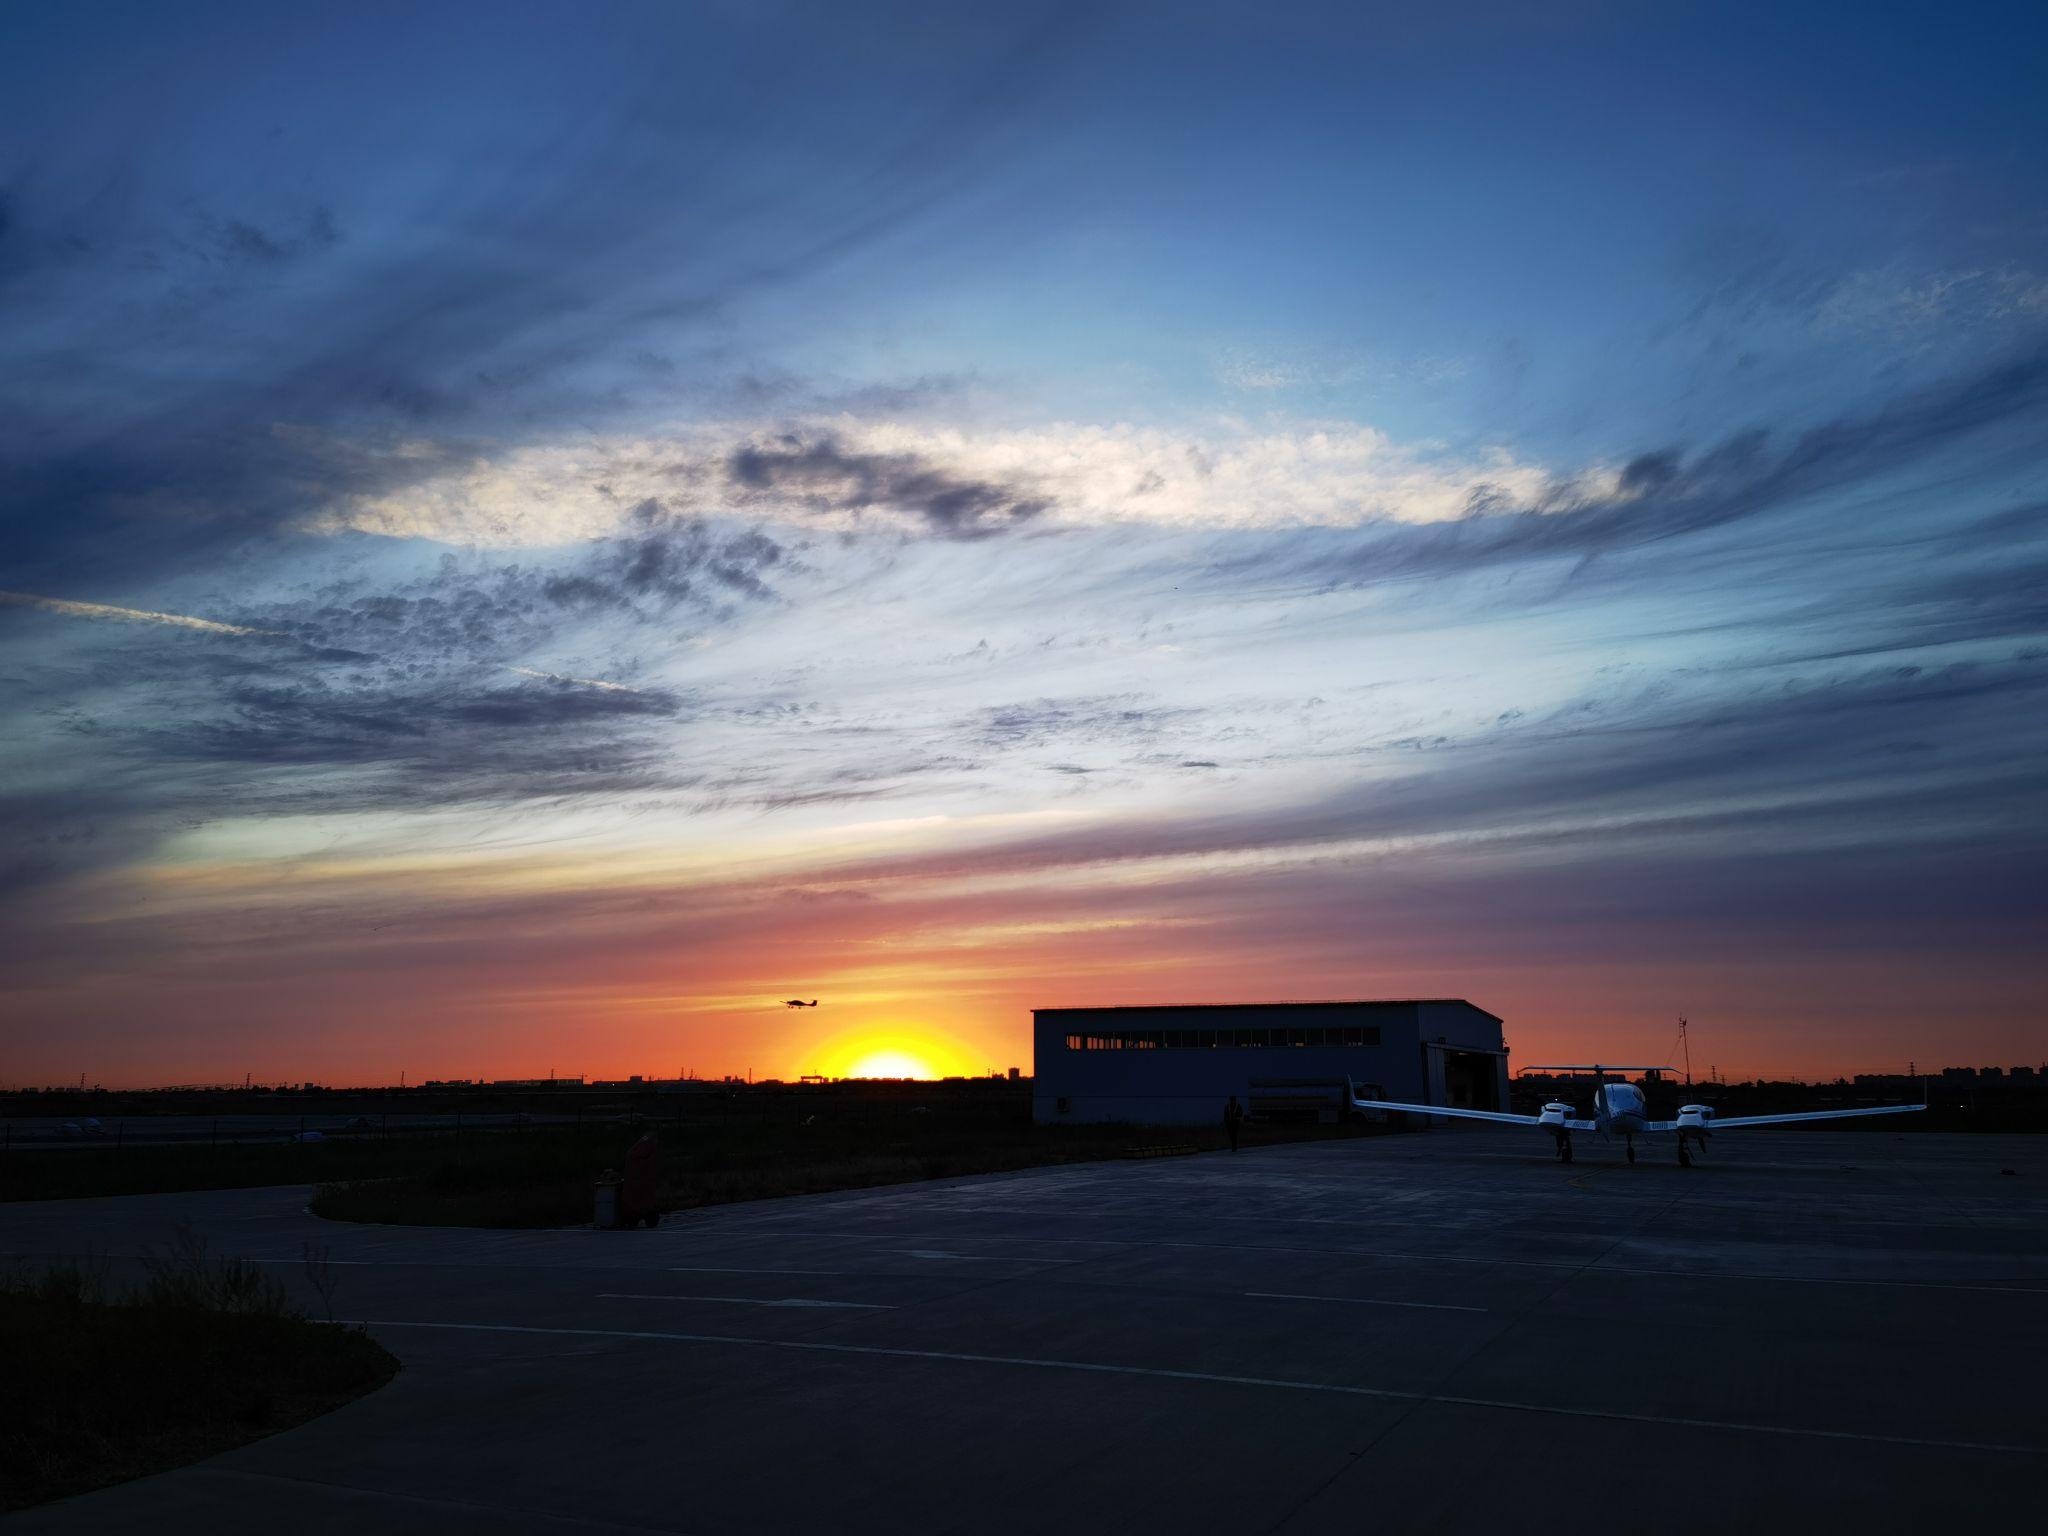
104,1384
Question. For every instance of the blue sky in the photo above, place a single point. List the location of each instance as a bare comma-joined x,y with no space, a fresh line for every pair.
536,531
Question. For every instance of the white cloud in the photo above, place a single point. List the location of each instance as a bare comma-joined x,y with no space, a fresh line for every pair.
1234,474
1324,366
1892,302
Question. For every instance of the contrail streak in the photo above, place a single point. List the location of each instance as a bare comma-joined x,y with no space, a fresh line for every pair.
214,626
128,615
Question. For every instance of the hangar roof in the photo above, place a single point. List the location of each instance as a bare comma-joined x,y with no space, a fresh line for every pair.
1331,1002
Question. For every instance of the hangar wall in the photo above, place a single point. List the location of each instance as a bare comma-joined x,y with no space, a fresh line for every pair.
1178,1065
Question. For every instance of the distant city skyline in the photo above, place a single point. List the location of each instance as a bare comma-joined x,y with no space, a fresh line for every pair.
538,535
2023,1074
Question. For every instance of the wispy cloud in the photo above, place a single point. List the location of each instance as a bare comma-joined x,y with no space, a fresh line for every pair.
580,682
735,487
82,610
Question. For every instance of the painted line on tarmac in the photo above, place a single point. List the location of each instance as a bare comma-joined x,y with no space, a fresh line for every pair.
732,1231
1363,1301
529,1518
1399,1257
747,1301
368,1263
1903,1285
1386,1394
1987,1287
976,1258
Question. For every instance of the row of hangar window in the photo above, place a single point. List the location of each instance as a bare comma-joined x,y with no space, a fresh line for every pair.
1212,1039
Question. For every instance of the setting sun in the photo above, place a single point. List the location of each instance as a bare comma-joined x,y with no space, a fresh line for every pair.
890,1064
889,1053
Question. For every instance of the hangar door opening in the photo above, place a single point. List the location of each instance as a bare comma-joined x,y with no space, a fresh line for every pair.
1470,1079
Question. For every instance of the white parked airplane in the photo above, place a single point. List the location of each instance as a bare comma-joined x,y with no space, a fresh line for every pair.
1618,1109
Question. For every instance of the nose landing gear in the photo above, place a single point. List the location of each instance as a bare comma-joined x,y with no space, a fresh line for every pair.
1684,1153
1564,1146
1629,1142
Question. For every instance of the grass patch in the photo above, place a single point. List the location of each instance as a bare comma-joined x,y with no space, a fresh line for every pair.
104,1384
88,1172
543,1179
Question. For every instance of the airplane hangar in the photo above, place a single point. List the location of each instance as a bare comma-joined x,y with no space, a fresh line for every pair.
1179,1064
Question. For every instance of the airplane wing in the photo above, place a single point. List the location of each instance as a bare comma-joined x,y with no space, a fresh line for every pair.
1466,1114
1718,1124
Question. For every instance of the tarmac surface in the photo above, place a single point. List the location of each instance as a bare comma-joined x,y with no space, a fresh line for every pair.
1434,1332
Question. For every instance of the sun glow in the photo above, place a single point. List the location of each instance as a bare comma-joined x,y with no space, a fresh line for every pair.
889,1054
890,1064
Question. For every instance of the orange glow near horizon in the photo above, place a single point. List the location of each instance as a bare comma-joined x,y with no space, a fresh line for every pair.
505,973
890,1064
903,1053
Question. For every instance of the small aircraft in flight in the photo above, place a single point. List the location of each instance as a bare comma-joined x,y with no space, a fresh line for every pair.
1618,1109
797,1002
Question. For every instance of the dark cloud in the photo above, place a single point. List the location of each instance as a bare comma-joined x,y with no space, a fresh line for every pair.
796,799
827,477
2000,413
435,742
453,292
480,611
51,833
1887,757
354,693
1650,472
193,746
1045,722
800,778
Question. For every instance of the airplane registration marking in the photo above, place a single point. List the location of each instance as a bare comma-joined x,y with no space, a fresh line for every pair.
1388,1394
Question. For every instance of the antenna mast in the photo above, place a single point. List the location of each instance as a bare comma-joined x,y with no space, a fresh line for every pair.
1687,1045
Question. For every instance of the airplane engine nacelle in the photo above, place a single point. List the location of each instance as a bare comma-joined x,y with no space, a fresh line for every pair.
1696,1117
1555,1115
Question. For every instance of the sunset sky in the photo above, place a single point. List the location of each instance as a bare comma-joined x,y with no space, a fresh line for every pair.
535,533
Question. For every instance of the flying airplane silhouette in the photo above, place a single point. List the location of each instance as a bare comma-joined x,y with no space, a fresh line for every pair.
1618,1108
797,1002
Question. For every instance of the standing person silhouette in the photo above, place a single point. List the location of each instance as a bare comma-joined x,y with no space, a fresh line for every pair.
640,1199
1233,1119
